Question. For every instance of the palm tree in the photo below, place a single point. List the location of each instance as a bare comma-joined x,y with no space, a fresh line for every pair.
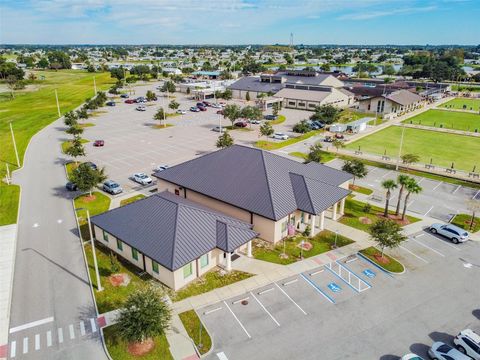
388,185
412,187
401,180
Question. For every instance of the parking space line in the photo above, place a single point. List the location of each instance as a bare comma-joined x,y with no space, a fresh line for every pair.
92,325
428,211
440,183
72,332
315,286
353,273
290,282
82,328
427,247
445,243
266,291
212,311
420,181
454,191
264,308
417,256
293,301
236,318
387,173
475,196
222,356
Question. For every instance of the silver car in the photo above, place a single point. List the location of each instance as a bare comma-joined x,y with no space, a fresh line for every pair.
112,187
451,232
442,351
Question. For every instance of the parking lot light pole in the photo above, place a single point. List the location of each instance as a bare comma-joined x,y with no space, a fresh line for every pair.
400,149
14,145
336,237
58,104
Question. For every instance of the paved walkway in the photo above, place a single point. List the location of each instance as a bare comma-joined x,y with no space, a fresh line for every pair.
8,237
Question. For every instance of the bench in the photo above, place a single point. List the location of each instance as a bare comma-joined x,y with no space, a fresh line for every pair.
451,171
358,152
429,166
385,157
474,175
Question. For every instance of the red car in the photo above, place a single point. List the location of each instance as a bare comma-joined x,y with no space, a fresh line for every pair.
130,101
99,143
241,124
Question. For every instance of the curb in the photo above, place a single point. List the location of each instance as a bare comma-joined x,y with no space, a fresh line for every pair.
209,334
382,268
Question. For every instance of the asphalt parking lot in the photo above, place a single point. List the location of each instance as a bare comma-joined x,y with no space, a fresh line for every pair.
438,199
366,314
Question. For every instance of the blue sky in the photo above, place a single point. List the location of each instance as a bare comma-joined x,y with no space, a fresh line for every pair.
240,21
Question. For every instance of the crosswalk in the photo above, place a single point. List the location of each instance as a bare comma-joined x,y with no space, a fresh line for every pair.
23,345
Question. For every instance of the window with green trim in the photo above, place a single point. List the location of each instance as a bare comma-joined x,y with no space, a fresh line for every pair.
187,270
204,261
105,236
155,266
135,254
119,245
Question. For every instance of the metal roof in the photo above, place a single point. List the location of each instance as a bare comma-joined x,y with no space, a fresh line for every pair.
256,180
172,230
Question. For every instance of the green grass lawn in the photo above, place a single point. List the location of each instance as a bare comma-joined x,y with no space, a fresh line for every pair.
86,125
463,104
280,119
9,195
463,221
389,264
98,205
354,210
271,145
196,330
377,122
66,144
361,189
347,116
442,148
131,199
326,155
117,347
321,242
447,119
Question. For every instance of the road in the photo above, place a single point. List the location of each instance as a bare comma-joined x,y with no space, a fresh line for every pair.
52,312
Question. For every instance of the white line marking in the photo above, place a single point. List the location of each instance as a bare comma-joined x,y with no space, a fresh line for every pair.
235,316
446,243
82,328
92,325
316,272
31,324
411,202
419,235
49,338
35,225
290,282
25,345
59,221
428,247
418,257
420,181
264,308
474,196
240,300
13,349
428,211
37,341
440,183
212,311
454,191
387,173
60,335
222,356
298,306
265,291
72,332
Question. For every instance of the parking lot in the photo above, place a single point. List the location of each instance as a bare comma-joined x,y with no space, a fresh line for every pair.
438,199
351,309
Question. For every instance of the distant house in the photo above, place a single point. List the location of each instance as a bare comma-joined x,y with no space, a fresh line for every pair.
212,75
392,104
172,70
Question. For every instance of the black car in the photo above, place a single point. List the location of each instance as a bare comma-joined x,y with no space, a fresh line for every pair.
110,103
320,124
92,165
270,117
124,96
70,186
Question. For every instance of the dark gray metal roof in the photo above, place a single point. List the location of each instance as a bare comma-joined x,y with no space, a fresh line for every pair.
256,180
172,230
253,83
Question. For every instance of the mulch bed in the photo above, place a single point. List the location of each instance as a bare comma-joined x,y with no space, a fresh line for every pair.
141,348
380,259
88,198
365,220
119,280
306,246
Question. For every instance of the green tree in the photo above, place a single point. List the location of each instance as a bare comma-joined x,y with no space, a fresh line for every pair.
12,82
325,67
224,140
316,153
388,69
160,115
325,113
76,148
227,94
409,159
355,167
168,86
266,129
43,63
59,57
144,315
251,112
86,178
82,113
173,105
402,181
412,187
276,108
150,95
70,118
74,130
337,144
388,185
117,73
247,96
232,112
302,127
387,234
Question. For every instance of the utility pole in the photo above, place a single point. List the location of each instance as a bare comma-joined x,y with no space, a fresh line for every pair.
14,145
400,149
58,105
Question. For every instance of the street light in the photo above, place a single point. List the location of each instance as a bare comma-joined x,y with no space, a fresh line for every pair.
97,273
336,237
400,149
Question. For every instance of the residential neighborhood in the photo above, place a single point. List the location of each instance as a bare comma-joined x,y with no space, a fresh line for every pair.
233,181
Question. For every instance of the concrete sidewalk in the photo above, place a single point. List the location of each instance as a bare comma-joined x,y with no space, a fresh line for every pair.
8,238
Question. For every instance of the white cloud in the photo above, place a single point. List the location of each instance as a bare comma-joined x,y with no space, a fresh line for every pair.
375,14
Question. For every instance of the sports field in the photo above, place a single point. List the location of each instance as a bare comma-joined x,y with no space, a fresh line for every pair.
463,104
447,119
442,148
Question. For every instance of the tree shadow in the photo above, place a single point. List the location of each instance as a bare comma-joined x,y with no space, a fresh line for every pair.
441,336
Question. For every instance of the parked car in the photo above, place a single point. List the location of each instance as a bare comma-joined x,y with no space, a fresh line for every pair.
182,112
194,109
92,165
254,121
270,117
124,96
280,136
217,129
313,125
98,143
142,178
454,233
411,356
328,139
468,343
201,104
141,108
206,103
202,108
216,106
160,168
241,124
320,124
70,186
112,187
129,101
220,112
442,351
140,99
339,136
110,103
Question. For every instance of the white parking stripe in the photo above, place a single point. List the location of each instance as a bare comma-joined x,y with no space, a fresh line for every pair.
420,181
222,356
428,247
418,257
459,186
92,325
235,316
31,324
25,345
60,335
13,349
72,332
440,183
37,341
428,211
82,328
298,306
264,308
475,196
49,338
387,173
445,243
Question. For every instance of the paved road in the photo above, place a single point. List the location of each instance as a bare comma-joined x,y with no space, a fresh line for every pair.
52,305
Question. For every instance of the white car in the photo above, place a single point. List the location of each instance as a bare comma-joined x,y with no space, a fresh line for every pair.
141,108
142,178
181,112
280,136
442,351
218,129
411,356
216,106
454,233
468,342
161,168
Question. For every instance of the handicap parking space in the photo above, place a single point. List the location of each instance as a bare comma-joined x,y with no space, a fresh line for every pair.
365,270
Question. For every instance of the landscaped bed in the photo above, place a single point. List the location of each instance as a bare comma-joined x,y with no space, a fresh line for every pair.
9,199
280,119
386,262
360,189
67,144
464,221
196,330
320,243
131,199
326,156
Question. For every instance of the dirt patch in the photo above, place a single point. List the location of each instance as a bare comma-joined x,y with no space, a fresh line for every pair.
305,246
88,198
396,218
365,220
141,348
119,280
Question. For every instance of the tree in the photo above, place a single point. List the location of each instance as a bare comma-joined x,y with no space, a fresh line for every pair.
227,94
82,113
409,159
325,67
117,73
86,178
402,181
60,58
74,130
43,63
302,127
337,144
276,108
10,69
315,153
325,113
232,112
355,167
76,148
266,129
12,82
473,205
388,69
224,140
150,95
388,185
412,187
144,315
70,118
387,234
173,105
168,86
251,112
160,115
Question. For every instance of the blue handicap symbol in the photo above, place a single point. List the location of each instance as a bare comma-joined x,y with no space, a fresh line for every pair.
369,273
334,287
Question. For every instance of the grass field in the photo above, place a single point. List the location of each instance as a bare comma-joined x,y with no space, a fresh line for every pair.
447,119
442,148
463,104
196,330
273,145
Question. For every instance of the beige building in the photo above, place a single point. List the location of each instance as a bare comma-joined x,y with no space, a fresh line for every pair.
391,105
309,99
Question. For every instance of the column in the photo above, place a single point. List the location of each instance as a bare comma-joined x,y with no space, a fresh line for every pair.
312,225
334,211
249,248
322,220
229,262
342,207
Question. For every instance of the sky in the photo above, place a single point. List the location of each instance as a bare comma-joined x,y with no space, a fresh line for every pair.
358,22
